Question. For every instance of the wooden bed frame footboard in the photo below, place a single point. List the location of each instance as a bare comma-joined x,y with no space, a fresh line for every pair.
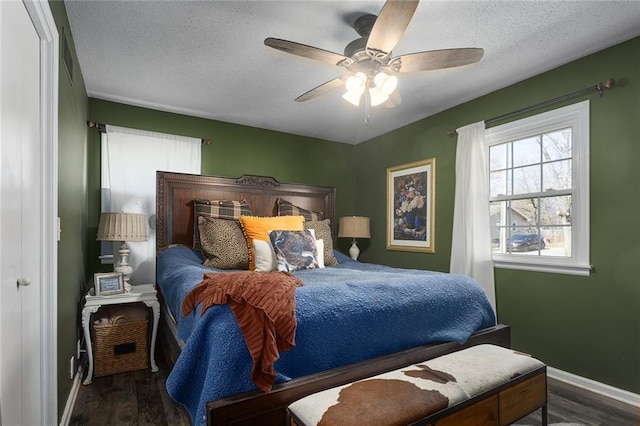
260,408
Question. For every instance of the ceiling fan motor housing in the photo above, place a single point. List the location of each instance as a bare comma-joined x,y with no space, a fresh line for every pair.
356,46
364,24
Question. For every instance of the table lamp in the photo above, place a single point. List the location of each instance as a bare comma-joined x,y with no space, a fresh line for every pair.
122,227
354,227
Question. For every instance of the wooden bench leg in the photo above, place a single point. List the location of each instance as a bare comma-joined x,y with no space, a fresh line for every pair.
544,415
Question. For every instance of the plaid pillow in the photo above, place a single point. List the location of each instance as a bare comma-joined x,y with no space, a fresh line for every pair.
219,209
285,208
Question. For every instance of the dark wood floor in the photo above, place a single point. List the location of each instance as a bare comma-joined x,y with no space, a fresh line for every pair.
140,398
569,404
133,398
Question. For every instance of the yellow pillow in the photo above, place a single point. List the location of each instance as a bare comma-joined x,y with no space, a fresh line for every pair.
256,228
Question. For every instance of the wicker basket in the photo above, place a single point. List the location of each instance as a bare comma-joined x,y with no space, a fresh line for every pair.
120,347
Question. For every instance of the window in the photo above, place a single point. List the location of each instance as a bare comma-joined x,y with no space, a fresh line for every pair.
539,190
129,161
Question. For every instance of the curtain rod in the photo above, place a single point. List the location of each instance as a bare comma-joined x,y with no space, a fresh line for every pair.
103,128
609,84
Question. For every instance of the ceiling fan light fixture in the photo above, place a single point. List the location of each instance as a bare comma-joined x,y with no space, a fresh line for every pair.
353,97
356,83
376,96
385,82
355,86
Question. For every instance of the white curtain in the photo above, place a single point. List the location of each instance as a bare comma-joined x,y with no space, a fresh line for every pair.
130,159
471,239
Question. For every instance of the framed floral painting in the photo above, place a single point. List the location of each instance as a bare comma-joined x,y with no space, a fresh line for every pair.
411,196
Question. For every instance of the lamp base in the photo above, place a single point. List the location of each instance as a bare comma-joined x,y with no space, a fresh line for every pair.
123,266
354,251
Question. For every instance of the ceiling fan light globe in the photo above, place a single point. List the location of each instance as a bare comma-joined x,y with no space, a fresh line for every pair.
353,97
380,78
376,96
385,82
356,82
390,85
362,76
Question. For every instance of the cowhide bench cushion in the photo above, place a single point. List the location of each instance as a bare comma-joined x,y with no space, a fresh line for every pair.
416,392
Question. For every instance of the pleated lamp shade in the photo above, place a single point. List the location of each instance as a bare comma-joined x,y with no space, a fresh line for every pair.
122,227
354,227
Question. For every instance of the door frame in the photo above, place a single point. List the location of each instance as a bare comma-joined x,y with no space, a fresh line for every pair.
45,26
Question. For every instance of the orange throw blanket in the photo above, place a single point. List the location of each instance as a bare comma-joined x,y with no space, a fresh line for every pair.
264,305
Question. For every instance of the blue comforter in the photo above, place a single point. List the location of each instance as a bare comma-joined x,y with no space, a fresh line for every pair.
346,313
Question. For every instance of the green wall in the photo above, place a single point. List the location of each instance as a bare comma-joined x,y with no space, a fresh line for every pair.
589,326
235,150
72,205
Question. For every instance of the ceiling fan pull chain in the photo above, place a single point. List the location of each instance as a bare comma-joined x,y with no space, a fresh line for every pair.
367,105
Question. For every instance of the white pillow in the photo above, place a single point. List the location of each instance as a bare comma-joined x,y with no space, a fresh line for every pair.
320,256
319,248
265,256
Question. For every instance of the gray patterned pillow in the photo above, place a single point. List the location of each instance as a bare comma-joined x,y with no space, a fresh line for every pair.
295,250
221,209
223,243
323,232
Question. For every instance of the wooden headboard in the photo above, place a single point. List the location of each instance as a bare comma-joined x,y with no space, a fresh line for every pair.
175,193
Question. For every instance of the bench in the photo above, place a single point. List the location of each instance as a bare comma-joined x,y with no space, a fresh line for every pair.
480,385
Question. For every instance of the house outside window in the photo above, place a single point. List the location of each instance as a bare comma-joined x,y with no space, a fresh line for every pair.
539,191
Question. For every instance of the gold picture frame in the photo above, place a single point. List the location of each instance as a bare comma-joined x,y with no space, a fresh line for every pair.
109,283
411,198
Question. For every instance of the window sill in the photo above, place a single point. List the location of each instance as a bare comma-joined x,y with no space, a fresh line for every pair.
582,270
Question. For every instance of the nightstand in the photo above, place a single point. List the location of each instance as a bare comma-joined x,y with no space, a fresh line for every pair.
145,293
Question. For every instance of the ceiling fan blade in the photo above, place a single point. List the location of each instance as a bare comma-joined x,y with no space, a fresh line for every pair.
305,51
330,85
438,59
391,24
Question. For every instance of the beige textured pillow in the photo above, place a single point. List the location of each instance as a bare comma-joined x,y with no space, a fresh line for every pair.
223,243
323,232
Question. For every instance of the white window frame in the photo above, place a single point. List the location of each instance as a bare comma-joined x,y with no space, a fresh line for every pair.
575,116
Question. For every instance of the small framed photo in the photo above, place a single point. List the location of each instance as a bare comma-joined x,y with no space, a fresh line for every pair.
411,190
108,283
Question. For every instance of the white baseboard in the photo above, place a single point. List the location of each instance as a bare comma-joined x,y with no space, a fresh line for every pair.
71,400
595,387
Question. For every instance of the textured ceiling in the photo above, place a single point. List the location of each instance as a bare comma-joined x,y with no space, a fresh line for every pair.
208,59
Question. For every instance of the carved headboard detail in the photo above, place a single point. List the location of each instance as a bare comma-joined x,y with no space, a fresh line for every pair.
176,191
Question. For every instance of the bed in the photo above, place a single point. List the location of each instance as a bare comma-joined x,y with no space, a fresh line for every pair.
210,375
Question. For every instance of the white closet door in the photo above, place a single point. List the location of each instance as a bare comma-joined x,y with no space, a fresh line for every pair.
20,217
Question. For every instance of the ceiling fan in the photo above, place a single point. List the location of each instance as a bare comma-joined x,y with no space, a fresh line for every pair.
372,69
